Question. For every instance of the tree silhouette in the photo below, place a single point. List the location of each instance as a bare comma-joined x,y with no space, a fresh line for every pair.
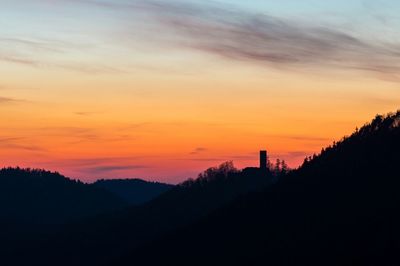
341,207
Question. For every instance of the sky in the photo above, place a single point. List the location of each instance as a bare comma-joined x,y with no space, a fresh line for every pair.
162,90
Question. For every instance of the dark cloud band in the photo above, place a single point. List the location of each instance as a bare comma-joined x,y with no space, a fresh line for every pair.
264,39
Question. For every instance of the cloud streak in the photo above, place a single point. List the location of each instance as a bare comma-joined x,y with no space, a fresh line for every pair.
198,151
263,39
8,100
112,168
231,33
83,113
24,52
277,42
17,143
300,138
100,166
43,64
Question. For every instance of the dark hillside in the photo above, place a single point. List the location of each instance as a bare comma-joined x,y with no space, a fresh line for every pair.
34,203
341,207
134,191
108,237
42,197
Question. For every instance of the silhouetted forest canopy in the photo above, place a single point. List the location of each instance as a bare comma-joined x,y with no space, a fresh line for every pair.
94,240
341,207
134,191
43,197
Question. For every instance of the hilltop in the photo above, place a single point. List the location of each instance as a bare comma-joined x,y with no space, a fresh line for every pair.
341,207
107,237
37,196
134,191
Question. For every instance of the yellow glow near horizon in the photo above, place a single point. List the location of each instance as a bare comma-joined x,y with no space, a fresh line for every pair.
152,124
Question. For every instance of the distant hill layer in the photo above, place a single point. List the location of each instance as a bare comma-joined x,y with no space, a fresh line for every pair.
134,191
341,207
40,197
104,238
35,203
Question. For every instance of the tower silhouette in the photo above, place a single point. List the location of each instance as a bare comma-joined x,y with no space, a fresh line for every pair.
263,160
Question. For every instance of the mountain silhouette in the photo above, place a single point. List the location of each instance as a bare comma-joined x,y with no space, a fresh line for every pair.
42,197
134,191
341,207
35,202
107,237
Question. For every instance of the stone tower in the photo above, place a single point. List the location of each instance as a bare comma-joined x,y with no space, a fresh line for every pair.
263,160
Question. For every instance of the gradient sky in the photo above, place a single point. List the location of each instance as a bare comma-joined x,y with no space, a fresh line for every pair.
164,89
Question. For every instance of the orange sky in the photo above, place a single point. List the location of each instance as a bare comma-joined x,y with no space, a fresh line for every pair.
108,105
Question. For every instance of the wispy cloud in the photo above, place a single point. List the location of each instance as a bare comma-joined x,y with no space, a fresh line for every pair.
231,33
86,113
8,100
274,41
12,146
198,151
263,39
18,143
34,52
39,45
106,169
301,138
56,131
99,166
8,139
76,135
76,67
213,159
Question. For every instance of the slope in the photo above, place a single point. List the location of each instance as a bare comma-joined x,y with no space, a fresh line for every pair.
341,207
